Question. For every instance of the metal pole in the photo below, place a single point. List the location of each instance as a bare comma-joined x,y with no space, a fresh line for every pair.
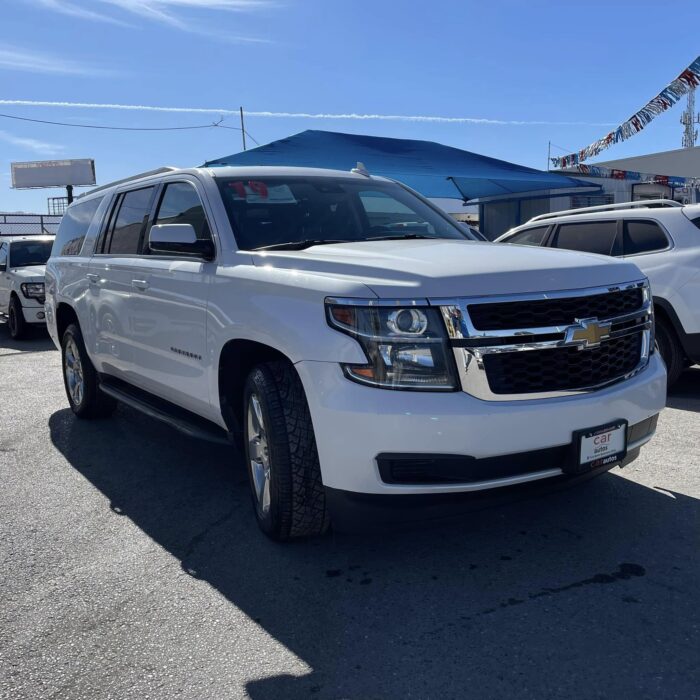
549,153
69,192
242,129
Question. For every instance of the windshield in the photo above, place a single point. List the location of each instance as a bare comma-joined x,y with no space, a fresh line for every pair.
26,253
298,211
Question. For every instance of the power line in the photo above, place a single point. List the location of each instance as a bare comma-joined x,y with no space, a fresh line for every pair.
238,128
111,128
213,125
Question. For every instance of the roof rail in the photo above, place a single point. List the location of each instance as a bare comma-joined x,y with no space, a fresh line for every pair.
644,204
157,171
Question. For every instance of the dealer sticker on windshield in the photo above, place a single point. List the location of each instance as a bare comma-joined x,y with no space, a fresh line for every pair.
604,445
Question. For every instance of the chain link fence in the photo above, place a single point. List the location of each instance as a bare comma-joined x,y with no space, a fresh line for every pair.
29,224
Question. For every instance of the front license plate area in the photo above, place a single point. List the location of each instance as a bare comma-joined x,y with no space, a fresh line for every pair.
602,446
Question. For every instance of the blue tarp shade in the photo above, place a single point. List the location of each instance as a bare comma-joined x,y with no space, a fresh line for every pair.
430,168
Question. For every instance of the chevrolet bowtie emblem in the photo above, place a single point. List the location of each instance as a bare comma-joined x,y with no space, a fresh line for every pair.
587,333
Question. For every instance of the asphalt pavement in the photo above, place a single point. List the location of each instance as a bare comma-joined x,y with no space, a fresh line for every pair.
132,568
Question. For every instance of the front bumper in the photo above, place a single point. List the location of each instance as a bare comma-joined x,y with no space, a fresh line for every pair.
354,425
34,314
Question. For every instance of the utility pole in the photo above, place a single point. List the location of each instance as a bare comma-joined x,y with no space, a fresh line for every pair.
689,119
549,154
242,129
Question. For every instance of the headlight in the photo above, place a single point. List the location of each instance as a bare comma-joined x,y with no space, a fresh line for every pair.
406,347
33,290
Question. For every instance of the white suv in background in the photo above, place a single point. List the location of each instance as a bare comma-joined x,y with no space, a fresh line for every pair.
360,346
22,265
662,238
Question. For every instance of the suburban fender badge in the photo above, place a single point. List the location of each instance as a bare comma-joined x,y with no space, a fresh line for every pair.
587,333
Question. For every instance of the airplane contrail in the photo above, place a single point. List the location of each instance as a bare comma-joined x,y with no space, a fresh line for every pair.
434,119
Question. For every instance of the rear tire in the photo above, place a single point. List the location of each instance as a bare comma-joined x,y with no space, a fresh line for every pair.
15,320
281,456
670,349
81,380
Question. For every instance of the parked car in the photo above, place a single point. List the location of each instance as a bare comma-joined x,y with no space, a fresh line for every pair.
346,332
662,238
22,265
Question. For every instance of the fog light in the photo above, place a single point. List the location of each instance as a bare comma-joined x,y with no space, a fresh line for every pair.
41,314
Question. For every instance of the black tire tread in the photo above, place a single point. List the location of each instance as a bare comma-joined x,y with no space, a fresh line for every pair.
21,324
301,502
95,404
670,349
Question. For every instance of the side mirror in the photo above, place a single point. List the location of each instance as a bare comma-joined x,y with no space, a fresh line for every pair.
179,238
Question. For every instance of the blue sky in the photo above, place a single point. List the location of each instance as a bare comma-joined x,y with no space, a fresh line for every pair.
581,67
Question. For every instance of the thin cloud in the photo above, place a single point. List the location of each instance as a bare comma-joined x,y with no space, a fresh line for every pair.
73,10
163,12
40,147
352,116
17,59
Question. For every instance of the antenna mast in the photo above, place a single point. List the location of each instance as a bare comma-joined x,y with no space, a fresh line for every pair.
689,119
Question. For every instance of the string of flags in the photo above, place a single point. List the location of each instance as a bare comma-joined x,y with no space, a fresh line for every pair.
617,174
668,97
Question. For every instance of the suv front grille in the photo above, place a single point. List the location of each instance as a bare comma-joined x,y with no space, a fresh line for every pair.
562,369
553,312
549,344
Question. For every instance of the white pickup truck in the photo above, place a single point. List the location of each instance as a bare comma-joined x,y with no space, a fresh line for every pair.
369,356
22,261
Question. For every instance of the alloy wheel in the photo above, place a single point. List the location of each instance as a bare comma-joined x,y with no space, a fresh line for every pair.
259,454
74,372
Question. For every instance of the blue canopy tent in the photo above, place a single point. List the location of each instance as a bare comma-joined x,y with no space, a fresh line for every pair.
430,168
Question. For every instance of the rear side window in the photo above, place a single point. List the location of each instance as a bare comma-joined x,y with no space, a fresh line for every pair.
128,222
74,226
643,237
533,236
181,204
696,221
588,237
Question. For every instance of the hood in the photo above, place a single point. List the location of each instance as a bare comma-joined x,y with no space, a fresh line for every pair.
32,273
445,268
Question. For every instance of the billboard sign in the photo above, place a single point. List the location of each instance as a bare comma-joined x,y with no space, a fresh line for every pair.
53,173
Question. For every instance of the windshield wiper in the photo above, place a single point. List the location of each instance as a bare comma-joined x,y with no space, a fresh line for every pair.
307,243
402,236
300,245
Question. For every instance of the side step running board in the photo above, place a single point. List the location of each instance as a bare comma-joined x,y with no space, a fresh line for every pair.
178,418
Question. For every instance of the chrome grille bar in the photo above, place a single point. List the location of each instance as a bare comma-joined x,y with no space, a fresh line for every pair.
471,345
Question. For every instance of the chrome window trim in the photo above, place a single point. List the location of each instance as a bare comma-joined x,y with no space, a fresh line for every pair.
469,359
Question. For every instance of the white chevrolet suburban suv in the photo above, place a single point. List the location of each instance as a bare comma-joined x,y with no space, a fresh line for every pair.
369,357
662,238
22,265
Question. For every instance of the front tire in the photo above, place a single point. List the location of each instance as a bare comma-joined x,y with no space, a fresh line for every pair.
15,320
281,455
670,349
80,378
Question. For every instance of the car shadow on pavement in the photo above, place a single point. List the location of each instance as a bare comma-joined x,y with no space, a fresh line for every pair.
685,393
587,588
37,340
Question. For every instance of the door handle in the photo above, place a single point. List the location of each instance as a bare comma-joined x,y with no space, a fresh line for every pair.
93,277
141,285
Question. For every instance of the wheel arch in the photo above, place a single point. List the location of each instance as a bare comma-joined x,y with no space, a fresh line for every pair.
65,315
666,312
236,360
